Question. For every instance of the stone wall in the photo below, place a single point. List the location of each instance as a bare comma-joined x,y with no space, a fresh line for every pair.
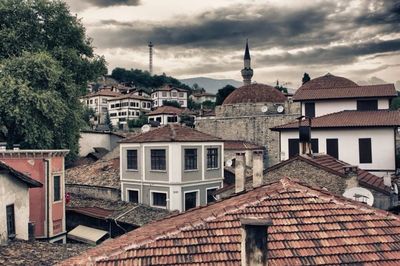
95,192
255,128
249,109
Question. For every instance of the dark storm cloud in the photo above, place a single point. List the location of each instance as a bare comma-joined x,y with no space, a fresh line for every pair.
343,54
106,3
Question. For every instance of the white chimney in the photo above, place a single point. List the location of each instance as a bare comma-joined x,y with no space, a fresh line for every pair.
254,246
240,172
387,180
258,166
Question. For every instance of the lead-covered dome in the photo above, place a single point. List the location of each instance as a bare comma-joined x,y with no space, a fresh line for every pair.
255,93
327,82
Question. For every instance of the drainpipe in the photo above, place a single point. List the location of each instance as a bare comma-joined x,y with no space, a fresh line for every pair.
47,165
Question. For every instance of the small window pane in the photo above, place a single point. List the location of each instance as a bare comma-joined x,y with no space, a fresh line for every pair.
158,161
294,148
159,199
132,160
190,200
365,150
212,158
210,196
133,196
190,159
57,188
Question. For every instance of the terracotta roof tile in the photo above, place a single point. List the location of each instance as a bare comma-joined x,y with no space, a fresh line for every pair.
166,110
350,118
104,92
309,226
241,145
172,133
131,96
255,93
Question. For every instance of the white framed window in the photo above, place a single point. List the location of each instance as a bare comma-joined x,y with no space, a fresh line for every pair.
133,195
210,194
158,199
191,199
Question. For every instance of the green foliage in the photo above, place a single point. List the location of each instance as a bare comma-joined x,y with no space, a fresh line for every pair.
187,120
46,61
88,114
395,104
223,93
281,88
192,105
171,103
108,121
141,121
141,78
208,104
306,78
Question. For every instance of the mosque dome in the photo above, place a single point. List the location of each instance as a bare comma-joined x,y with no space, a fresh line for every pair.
328,81
255,93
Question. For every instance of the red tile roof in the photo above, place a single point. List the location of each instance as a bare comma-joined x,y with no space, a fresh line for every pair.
334,87
255,93
241,145
131,96
172,133
170,110
350,119
309,226
104,92
169,88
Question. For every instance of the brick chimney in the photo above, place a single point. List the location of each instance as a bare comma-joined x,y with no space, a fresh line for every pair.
258,166
240,170
254,249
351,172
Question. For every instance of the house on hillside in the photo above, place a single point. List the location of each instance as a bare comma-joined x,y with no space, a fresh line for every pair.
200,97
169,93
173,167
282,223
165,115
14,203
127,107
46,203
98,101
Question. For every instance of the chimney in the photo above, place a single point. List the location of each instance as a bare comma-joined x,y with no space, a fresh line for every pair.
304,135
258,166
387,180
16,147
351,172
240,170
254,250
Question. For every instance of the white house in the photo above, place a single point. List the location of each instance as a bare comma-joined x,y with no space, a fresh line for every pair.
169,93
173,167
201,97
98,101
14,203
329,94
127,107
165,115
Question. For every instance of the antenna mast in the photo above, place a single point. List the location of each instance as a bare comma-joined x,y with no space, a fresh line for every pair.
151,58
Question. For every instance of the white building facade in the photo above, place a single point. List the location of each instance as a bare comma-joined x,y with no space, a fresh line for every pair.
175,175
169,93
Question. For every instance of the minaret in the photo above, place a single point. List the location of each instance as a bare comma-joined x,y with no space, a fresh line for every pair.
247,72
151,58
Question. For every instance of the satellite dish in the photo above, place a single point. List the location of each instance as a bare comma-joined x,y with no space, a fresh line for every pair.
145,128
264,109
280,109
360,194
229,163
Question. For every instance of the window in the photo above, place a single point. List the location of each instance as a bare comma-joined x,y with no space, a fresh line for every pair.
294,148
112,105
143,105
148,105
104,109
172,119
91,101
57,188
309,109
190,200
10,221
314,145
159,199
133,196
131,159
117,105
124,104
190,159
181,94
164,94
158,119
158,160
104,100
210,195
113,114
365,150
95,101
332,147
174,94
212,158
367,105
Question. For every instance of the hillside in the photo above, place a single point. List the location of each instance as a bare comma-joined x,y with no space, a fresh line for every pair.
211,85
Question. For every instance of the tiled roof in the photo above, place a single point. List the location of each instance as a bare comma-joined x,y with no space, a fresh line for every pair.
32,183
384,90
328,81
240,145
172,133
169,88
100,173
200,94
170,110
104,92
309,226
19,252
350,118
131,96
324,162
255,93
122,211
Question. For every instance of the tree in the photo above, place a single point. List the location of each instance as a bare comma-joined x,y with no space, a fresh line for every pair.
88,114
395,104
46,62
208,104
223,93
306,78
171,103
192,105
108,121
135,123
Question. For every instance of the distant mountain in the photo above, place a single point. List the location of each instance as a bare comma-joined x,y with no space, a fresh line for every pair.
371,81
211,85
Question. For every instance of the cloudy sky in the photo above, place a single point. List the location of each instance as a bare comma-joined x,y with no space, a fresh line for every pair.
357,39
